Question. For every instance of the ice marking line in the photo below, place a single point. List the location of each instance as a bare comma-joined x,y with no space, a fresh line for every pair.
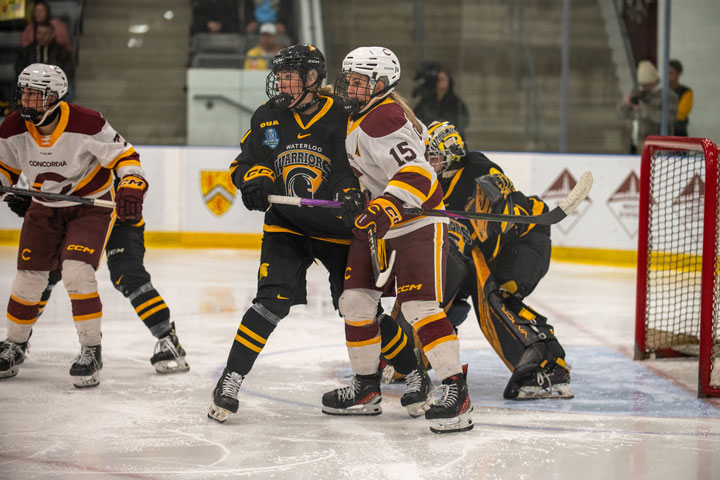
144,474
597,431
202,438
626,353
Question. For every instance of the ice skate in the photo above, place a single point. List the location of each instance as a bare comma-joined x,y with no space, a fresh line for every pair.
86,368
451,412
169,356
542,382
11,356
225,396
361,397
416,397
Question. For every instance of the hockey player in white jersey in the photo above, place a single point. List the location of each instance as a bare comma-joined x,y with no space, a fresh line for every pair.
66,149
386,149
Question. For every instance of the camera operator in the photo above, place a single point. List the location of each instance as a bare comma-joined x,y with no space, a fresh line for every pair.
434,86
643,106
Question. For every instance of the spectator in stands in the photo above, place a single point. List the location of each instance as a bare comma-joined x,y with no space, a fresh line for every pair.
439,101
41,14
685,98
260,57
215,16
259,12
643,106
45,49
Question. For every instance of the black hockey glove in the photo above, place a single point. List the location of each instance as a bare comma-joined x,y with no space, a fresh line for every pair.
19,204
497,188
352,206
258,183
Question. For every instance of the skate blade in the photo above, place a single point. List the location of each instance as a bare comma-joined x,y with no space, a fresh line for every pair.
367,409
218,414
11,372
177,365
461,423
418,409
87,381
559,391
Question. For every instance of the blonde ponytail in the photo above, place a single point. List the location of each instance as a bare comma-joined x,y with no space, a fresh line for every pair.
408,111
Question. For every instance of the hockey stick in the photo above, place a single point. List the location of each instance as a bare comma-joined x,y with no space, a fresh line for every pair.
59,196
566,207
381,276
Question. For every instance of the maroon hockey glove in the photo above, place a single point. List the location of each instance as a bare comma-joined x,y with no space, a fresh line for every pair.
129,197
382,213
258,183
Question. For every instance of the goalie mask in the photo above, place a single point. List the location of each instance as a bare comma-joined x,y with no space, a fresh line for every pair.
297,71
40,89
362,69
445,148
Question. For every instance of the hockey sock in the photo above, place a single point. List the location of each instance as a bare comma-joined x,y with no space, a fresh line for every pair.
252,334
396,348
151,309
53,278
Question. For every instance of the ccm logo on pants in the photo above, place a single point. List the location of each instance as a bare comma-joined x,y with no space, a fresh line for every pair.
81,248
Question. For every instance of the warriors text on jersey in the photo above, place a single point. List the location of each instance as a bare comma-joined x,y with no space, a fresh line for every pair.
388,156
305,154
78,158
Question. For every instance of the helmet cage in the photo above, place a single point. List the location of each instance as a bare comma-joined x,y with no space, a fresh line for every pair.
302,58
50,81
376,64
445,141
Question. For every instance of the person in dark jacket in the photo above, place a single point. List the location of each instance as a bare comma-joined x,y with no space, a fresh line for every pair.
443,104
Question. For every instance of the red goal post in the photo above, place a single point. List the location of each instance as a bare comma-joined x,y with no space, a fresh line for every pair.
678,276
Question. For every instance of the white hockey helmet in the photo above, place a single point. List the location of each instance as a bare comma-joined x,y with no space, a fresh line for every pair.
48,79
376,63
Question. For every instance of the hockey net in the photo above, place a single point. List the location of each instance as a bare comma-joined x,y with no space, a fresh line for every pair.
678,281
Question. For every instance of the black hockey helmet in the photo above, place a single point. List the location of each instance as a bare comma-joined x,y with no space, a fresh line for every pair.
303,58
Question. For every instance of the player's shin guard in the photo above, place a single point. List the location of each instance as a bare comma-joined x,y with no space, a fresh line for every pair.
396,348
151,309
255,328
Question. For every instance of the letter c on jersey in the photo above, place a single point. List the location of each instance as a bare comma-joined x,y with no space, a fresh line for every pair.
25,254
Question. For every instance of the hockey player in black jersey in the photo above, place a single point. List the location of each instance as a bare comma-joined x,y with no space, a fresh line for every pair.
296,147
125,251
498,265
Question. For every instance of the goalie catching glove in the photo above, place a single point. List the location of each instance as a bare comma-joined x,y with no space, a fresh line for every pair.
382,213
492,195
258,183
129,197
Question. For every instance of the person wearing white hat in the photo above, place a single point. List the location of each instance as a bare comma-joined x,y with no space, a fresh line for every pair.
260,56
643,106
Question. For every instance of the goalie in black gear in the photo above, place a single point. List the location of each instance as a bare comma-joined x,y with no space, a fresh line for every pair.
498,265
125,251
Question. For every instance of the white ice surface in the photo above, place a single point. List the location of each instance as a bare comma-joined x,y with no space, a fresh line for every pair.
629,419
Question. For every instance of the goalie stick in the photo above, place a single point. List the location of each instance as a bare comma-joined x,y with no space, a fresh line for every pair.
566,207
58,196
